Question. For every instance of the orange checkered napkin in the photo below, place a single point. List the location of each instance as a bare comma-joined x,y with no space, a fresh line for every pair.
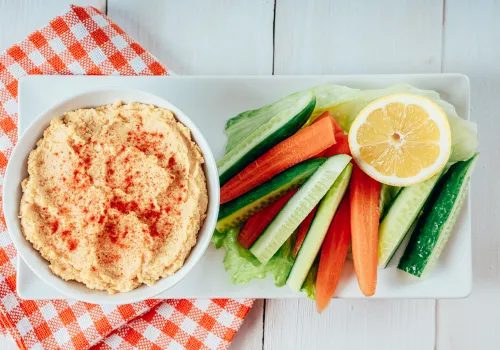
84,41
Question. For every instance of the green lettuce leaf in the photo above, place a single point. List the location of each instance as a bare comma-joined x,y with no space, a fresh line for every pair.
309,286
243,266
281,263
463,134
218,238
329,95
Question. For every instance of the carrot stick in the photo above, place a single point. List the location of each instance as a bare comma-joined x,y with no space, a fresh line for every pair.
301,146
340,147
333,254
303,228
259,221
364,196
336,125
323,116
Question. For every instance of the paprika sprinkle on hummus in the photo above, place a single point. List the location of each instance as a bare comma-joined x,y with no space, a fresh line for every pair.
115,196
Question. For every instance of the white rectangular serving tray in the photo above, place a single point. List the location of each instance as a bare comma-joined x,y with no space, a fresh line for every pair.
209,102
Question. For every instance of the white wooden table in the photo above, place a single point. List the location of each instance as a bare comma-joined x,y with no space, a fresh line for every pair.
337,37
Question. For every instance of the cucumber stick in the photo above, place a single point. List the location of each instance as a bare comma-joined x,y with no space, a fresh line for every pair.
437,221
298,207
401,215
233,213
284,118
317,232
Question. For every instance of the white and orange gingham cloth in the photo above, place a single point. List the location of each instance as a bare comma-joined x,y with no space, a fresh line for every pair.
84,41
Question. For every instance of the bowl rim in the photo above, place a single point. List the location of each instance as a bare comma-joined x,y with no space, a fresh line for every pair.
12,194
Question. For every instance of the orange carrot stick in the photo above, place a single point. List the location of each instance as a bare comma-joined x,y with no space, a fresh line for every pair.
259,221
364,196
301,146
335,126
303,228
333,255
323,116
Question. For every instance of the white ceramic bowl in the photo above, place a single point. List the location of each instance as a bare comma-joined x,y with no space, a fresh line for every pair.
17,171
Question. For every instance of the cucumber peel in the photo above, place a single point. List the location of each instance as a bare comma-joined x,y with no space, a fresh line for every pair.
298,207
317,232
440,214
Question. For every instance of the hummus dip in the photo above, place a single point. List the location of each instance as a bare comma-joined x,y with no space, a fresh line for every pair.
115,196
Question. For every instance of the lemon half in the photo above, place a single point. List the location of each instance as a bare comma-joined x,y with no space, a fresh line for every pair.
401,140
